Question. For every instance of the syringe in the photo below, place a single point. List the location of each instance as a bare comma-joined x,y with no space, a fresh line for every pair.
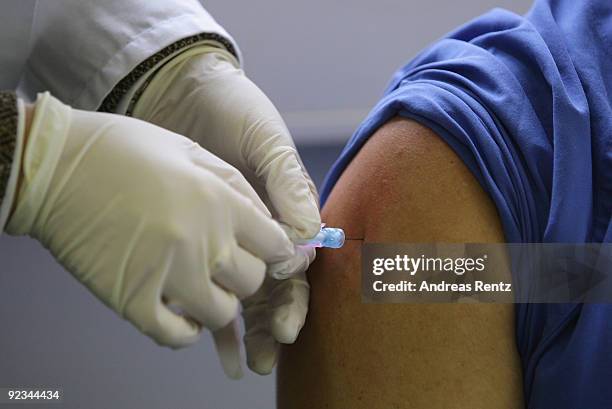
330,237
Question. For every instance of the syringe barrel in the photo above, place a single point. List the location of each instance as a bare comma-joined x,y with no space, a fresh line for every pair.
330,237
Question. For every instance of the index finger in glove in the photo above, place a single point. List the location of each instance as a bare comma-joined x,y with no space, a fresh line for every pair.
292,192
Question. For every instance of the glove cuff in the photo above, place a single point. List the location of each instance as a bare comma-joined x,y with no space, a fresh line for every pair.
48,133
149,94
125,94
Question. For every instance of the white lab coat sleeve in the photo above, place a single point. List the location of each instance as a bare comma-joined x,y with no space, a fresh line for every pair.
12,127
87,52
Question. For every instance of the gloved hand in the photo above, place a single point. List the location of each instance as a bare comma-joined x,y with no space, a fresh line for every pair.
274,314
204,95
145,218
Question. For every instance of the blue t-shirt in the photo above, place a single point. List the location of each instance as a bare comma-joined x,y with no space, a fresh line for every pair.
525,103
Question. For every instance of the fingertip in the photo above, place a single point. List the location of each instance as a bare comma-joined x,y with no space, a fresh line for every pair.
291,309
264,361
262,352
294,196
311,224
303,223
286,326
227,343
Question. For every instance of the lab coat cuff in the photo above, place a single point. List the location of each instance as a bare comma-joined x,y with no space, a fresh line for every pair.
12,127
123,86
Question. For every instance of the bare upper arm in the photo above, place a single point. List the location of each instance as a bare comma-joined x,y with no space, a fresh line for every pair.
405,185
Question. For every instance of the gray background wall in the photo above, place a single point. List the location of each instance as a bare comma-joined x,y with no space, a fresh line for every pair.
324,63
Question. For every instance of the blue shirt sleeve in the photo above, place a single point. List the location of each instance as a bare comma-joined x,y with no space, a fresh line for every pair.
524,101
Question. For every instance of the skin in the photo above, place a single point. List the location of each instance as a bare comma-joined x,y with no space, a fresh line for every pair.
405,185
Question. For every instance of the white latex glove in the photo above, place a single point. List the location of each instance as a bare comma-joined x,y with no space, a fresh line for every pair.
275,314
204,95
146,219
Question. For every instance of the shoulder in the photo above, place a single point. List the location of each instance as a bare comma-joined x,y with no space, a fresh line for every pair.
405,185
412,187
